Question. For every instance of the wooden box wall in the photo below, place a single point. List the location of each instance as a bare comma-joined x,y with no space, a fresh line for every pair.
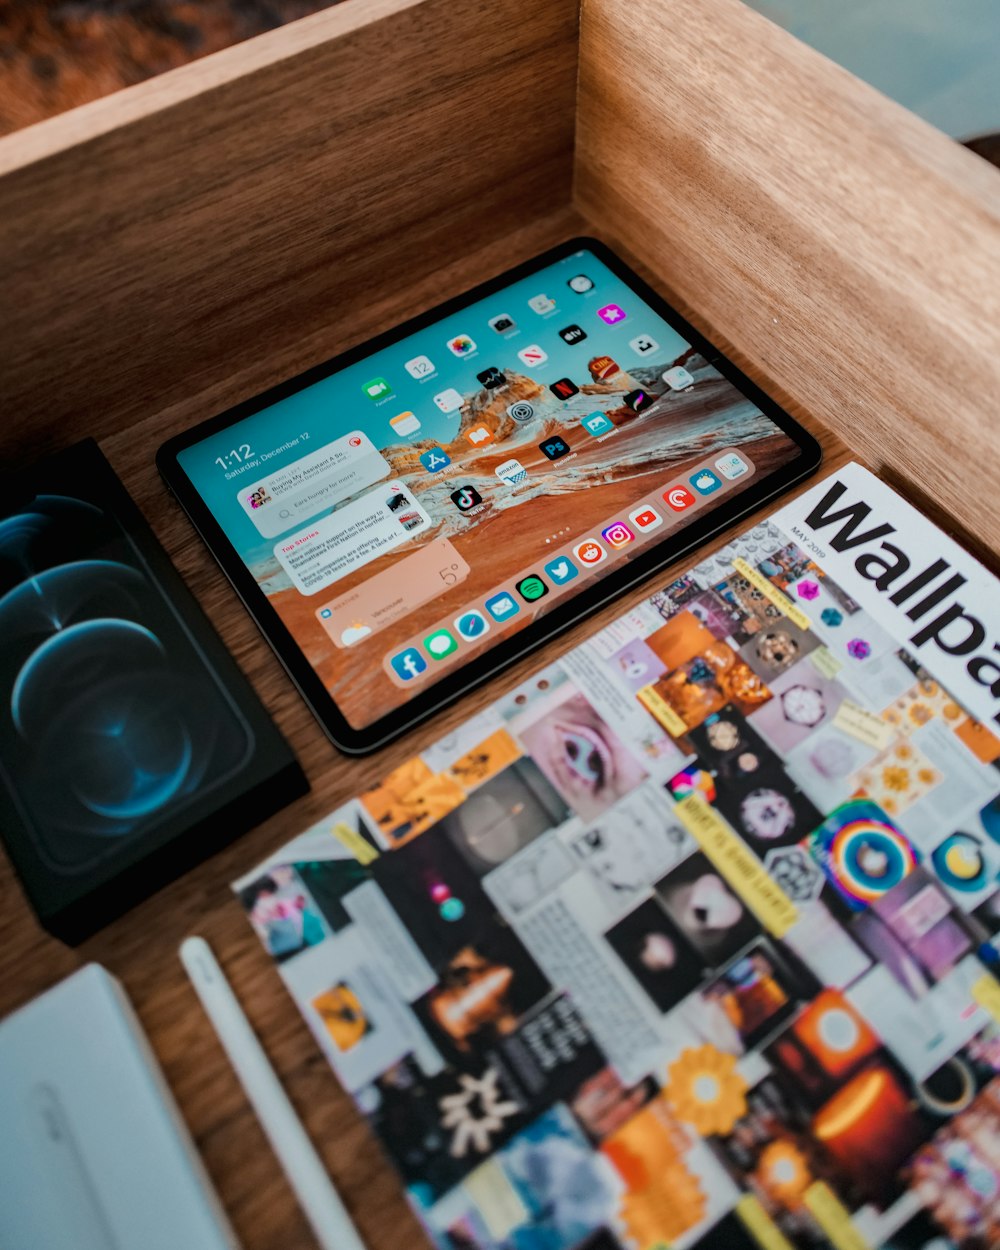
187,242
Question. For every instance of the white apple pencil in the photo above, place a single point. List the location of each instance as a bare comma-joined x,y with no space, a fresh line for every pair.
306,1174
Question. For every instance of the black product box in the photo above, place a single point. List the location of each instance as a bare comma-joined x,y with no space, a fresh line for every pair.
131,745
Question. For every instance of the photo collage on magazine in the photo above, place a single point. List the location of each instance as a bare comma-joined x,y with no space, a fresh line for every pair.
689,941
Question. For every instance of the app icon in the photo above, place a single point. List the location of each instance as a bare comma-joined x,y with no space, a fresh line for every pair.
581,284
461,345
511,471
491,378
677,378
449,400
541,304
434,459
404,424
502,606
502,323
732,465
377,389
603,367
590,552
562,570
705,481
597,423
471,625
466,497
679,498
408,664
611,314
479,435
521,412
572,334
439,644
617,534
638,401
554,447
564,389
532,587
420,366
325,613
643,344
645,518
532,356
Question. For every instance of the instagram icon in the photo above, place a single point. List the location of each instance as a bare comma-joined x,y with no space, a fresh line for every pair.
617,534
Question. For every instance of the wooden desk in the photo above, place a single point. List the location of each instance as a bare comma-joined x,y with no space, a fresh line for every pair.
140,948
193,240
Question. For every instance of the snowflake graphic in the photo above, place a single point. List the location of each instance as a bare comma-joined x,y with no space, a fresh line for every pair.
475,1112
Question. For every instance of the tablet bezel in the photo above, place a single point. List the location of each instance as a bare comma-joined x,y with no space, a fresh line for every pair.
432,698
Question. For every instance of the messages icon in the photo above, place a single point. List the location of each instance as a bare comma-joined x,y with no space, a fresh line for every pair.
439,644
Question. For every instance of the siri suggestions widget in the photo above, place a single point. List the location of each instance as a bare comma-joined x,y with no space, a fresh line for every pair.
533,590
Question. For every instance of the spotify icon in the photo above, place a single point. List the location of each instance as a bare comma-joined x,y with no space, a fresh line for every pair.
532,587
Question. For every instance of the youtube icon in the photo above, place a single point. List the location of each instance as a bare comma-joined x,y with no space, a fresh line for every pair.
645,518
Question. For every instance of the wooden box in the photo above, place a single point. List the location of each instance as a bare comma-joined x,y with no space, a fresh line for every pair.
190,241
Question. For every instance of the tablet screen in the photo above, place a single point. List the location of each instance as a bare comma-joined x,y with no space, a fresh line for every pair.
416,507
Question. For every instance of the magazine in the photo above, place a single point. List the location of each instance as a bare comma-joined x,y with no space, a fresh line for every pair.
690,940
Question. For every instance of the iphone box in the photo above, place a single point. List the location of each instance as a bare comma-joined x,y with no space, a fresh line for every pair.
131,745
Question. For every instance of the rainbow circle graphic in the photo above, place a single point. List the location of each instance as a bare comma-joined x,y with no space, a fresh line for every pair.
869,857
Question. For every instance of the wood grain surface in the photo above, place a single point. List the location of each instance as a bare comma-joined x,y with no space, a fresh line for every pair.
208,221
141,947
851,247
180,246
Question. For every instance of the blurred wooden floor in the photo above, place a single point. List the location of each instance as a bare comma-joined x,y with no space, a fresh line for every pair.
56,54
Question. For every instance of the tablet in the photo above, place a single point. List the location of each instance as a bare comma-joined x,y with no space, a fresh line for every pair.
412,516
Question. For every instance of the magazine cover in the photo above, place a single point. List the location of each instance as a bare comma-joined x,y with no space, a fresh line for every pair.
690,941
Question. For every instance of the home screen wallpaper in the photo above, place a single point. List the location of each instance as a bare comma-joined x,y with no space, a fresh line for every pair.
409,511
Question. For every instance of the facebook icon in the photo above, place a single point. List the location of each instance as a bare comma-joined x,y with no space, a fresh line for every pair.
408,664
